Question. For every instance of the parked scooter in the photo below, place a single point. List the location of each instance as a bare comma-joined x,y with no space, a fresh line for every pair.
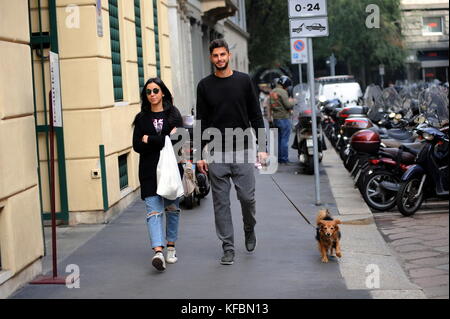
196,184
304,141
429,176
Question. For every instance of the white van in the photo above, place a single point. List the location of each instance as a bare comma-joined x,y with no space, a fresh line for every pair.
346,92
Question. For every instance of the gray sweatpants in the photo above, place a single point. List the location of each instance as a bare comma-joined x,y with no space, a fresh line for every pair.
243,177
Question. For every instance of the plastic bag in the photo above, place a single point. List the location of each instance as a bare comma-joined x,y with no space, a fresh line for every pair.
168,178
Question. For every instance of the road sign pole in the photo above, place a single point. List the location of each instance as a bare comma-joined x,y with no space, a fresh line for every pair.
314,118
300,75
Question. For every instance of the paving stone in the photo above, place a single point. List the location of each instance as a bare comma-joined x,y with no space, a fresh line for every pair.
405,241
434,237
436,243
426,272
403,235
432,231
420,254
408,266
423,227
443,249
432,261
434,292
444,267
394,230
407,248
404,223
435,281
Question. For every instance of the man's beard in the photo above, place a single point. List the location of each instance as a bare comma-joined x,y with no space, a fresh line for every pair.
222,68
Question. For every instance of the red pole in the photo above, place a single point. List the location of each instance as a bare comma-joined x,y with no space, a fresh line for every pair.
52,187
54,279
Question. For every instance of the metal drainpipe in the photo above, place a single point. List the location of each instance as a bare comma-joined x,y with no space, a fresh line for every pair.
104,179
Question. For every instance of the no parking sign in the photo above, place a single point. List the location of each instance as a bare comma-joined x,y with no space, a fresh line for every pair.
299,53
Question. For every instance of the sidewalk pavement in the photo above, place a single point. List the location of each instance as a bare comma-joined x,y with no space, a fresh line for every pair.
421,244
115,259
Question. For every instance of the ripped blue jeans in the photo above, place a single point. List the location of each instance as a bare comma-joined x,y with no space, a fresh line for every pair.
155,207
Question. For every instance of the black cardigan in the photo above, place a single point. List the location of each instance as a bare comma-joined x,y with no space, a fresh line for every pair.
149,152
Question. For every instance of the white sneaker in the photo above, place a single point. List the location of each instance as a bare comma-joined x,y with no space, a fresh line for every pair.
171,257
158,261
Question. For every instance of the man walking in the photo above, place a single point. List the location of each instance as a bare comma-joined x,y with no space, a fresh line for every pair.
227,100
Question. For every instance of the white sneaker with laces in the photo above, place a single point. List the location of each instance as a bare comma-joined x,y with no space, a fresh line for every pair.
158,261
171,255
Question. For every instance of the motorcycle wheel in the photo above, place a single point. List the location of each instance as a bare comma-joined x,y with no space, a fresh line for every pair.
309,165
376,197
407,200
342,153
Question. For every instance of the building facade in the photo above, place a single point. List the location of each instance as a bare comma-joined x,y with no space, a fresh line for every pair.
88,60
425,25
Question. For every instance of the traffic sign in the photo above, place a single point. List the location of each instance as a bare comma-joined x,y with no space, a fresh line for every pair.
308,27
299,53
307,8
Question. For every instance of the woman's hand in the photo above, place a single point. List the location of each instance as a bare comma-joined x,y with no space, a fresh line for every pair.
173,131
145,139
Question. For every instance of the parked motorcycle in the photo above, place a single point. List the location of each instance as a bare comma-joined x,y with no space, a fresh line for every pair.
429,176
304,140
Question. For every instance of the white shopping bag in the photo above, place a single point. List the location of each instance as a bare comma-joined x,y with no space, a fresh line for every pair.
167,173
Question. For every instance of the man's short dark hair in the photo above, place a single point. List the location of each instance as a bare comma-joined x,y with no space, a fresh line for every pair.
218,43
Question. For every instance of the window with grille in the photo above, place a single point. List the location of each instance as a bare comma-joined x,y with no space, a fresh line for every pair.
155,19
137,14
123,171
115,49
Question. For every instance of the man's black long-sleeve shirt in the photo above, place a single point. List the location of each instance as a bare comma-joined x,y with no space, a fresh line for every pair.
229,102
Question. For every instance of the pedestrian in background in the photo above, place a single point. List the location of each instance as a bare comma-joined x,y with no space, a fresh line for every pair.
227,99
157,119
281,106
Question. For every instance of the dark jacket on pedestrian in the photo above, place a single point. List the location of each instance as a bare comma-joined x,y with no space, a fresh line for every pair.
149,152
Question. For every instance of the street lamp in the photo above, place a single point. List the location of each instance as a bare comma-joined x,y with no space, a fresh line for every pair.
331,62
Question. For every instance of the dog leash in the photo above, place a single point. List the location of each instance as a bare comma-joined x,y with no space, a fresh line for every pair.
298,210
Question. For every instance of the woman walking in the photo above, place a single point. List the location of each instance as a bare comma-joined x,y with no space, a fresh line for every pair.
157,119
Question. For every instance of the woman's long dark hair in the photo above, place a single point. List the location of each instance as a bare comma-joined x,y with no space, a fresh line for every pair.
171,112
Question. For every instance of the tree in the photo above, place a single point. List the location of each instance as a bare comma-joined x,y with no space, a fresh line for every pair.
268,25
363,48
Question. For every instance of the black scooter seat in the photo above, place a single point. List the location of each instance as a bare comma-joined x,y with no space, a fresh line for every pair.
403,157
413,148
399,134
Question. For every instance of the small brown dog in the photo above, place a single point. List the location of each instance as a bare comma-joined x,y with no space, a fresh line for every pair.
328,234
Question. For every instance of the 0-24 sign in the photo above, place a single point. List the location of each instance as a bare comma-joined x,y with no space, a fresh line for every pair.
307,8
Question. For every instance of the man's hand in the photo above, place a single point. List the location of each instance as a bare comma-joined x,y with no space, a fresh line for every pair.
173,131
202,166
145,139
262,157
